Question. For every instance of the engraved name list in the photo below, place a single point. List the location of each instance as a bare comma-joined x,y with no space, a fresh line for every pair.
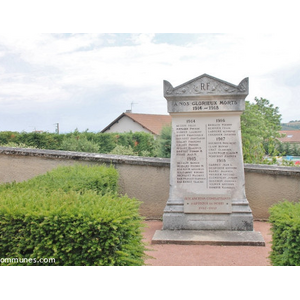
206,152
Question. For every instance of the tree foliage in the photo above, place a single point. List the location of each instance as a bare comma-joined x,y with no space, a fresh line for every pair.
260,126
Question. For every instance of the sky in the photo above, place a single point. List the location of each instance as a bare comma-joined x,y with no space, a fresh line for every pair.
85,81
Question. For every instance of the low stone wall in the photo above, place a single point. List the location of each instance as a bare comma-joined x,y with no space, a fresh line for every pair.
147,179
267,185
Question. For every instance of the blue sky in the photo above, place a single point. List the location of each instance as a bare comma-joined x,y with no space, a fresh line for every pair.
85,81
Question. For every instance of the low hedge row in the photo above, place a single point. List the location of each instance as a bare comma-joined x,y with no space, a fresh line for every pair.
78,178
85,141
285,227
72,215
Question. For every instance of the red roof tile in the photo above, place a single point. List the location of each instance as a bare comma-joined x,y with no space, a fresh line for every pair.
292,136
153,123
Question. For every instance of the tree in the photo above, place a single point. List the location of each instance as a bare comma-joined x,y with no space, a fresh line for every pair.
260,125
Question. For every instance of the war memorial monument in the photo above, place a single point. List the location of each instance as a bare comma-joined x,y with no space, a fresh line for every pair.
207,202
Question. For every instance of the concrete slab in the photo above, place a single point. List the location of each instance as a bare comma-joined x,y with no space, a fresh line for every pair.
208,237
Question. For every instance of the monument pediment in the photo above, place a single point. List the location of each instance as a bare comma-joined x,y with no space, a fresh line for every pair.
206,85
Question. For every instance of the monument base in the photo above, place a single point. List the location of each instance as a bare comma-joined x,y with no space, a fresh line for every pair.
208,237
240,219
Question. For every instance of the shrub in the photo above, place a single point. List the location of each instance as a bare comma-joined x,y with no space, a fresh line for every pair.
73,222
16,145
142,143
40,140
285,221
164,141
79,178
106,141
123,150
8,136
79,144
74,229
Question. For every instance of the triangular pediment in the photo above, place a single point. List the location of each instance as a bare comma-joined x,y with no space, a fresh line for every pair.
206,85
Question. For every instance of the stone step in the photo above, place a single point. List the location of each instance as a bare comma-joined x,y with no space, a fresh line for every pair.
208,237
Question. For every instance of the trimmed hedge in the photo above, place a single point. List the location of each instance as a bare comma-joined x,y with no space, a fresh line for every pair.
78,178
140,142
65,215
285,227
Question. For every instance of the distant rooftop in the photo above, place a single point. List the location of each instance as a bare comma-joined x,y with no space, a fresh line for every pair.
291,136
151,122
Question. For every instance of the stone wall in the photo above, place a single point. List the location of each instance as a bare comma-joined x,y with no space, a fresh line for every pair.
147,179
267,185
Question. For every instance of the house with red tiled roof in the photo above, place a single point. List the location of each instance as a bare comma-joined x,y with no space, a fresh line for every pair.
290,136
129,121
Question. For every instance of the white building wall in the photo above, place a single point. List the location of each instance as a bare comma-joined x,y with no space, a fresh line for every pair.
126,124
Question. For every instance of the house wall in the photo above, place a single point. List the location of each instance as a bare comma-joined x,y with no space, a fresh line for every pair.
126,124
147,179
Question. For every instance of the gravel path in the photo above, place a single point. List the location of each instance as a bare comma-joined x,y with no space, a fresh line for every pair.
205,255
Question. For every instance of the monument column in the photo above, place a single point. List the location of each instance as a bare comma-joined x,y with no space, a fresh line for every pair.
207,184
207,187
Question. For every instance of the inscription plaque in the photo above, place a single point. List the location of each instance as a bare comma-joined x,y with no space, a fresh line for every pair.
208,204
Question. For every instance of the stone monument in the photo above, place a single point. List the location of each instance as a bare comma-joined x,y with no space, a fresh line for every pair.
207,201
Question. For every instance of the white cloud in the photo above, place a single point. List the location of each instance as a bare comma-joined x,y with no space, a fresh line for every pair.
114,70
143,38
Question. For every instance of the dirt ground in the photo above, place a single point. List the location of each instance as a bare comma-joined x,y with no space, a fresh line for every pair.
206,255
